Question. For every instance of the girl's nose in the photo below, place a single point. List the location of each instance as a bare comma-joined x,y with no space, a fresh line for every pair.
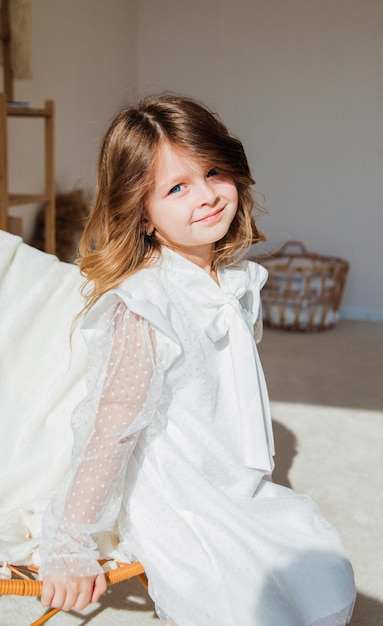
206,194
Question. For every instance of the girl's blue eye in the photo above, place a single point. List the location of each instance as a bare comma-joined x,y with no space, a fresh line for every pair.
175,189
212,172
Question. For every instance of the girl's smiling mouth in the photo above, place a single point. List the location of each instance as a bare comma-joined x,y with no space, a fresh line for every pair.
210,216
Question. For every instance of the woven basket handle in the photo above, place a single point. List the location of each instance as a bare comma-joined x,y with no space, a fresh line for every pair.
293,244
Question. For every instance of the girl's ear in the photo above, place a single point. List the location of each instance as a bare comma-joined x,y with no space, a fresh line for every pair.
147,226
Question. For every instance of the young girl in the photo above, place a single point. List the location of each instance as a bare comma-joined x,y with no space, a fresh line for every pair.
174,439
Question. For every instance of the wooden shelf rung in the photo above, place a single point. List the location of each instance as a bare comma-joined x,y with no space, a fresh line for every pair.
26,111
17,199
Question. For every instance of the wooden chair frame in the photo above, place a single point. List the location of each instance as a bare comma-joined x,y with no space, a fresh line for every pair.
24,582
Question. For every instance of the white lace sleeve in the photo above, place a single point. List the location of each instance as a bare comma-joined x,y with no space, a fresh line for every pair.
123,384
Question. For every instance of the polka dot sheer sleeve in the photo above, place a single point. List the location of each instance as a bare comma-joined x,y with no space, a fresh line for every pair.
123,383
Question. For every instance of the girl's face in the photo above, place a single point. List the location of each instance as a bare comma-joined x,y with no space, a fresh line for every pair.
189,207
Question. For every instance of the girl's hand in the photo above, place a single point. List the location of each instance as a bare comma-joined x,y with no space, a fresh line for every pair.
72,592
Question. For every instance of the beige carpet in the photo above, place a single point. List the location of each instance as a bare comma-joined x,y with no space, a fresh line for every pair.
327,405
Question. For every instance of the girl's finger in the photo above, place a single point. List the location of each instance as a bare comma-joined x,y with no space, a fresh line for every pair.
59,597
99,587
78,593
47,593
83,599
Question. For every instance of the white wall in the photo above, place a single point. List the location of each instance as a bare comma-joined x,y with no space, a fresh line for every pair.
83,57
301,82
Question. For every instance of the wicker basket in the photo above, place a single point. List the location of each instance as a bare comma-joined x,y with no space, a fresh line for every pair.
304,290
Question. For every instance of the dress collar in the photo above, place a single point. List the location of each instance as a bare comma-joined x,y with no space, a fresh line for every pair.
233,280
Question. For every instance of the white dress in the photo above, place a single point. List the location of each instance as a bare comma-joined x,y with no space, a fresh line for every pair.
174,440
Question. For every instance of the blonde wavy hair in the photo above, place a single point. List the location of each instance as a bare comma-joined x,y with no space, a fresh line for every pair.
114,243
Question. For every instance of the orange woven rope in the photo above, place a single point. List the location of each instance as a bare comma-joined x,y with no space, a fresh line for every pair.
44,618
124,572
20,587
29,587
